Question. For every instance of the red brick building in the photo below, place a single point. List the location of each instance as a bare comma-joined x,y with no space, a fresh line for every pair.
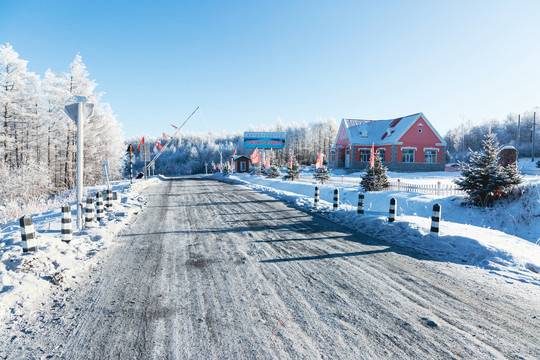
409,143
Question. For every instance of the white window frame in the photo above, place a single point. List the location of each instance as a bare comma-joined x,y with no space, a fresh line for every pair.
405,155
379,151
364,153
432,152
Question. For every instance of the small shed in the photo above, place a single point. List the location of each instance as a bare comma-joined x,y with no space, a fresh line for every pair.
241,163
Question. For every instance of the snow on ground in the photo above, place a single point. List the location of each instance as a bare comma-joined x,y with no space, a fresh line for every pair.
504,239
27,278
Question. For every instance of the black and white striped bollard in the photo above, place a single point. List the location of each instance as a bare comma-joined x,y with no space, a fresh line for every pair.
360,203
336,199
435,219
108,202
392,211
99,206
316,201
67,231
28,234
89,212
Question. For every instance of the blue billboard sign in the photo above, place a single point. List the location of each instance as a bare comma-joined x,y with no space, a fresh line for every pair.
264,140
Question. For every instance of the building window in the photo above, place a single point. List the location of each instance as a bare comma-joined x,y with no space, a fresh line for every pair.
333,155
364,155
382,154
243,166
431,156
408,156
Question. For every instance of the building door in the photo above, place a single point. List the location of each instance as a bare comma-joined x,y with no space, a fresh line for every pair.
347,158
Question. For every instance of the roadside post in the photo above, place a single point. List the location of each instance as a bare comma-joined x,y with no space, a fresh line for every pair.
79,112
336,199
392,210
316,201
99,206
89,213
67,231
28,234
435,219
360,204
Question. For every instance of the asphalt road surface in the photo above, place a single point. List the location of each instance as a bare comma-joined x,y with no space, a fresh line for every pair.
210,270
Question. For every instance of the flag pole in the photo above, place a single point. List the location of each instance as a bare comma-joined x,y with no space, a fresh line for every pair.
170,140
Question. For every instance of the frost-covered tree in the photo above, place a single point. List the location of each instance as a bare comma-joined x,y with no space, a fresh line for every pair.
482,178
294,172
274,171
16,105
375,178
322,174
37,138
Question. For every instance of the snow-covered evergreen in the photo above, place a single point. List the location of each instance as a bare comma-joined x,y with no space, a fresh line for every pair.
274,171
294,172
322,174
375,179
482,178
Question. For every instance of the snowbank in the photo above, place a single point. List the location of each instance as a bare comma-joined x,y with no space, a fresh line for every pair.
468,235
26,278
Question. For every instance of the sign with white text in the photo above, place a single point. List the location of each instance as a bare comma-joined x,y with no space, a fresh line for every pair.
264,140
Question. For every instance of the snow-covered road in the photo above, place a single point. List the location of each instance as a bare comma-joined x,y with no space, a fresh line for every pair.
210,270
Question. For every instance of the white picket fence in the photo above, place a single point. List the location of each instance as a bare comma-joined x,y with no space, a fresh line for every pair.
435,189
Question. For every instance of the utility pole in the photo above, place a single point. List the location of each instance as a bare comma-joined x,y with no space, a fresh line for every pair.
145,169
518,135
533,135
130,150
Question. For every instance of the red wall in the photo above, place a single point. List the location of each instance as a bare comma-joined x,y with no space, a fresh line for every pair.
343,138
420,140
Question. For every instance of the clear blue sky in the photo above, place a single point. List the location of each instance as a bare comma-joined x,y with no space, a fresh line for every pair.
248,62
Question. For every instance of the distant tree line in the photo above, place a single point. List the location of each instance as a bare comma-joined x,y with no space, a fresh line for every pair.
38,141
189,152
468,136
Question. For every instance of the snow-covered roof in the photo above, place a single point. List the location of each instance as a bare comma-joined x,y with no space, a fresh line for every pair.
240,156
381,132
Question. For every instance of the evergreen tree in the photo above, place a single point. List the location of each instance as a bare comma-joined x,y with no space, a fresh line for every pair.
375,179
322,175
483,179
294,172
274,171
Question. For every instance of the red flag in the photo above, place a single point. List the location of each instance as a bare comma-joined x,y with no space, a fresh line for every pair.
214,166
174,127
139,146
290,163
267,162
166,136
158,145
233,164
318,164
255,157
372,157
234,153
